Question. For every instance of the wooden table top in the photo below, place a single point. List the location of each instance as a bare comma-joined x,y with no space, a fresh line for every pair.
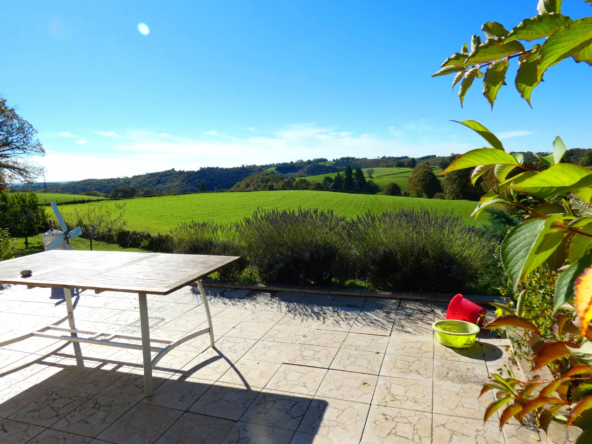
151,273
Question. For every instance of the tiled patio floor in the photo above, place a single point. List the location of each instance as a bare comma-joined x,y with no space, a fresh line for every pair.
288,368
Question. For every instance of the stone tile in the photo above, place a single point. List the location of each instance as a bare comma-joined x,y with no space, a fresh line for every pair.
303,354
521,435
368,343
19,395
236,294
470,354
449,429
144,423
333,300
8,357
388,425
89,380
248,433
277,409
374,323
192,428
251,330
407,367
50,407
94,416
297,379
460,372
305,335
55,436
332,421
358,361
408,394
178,393
224,401
131,385
336,319
460,399
14,432
249,373
405,345
188,321
347,386
234,348
413,324
209,365
384,305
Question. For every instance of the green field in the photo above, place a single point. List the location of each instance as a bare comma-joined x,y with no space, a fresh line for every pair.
36,246
56,197
159,214
381,176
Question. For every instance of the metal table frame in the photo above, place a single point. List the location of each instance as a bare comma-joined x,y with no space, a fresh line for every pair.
109,339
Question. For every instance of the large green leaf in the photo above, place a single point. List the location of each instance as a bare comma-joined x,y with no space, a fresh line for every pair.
494,30
564,287
548,6
493,50
502,171
448,70
480,156
564,42
479,171
584,55
527,77
475,42
495,77
528,245
467,82
483,132
580,244
557,179
456,59
559,150
457,78
538,27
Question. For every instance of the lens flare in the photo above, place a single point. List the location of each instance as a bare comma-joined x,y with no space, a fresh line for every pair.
144,29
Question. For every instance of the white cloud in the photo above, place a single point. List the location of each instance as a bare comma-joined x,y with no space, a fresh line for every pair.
65,134
81,142
163,135
210,133
107,133
511,134
139,151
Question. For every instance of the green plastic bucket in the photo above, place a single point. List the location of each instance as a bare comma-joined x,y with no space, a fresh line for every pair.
455,334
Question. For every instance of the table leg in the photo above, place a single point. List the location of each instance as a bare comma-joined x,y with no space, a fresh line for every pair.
72,323
207,308
148,385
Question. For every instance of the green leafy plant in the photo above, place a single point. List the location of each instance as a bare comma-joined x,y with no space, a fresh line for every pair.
6,250
562,38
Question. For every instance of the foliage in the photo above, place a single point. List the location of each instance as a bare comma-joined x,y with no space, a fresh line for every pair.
22,215
95,219
18,141
259,182
359,179
348,179
457,186
562,38
420,250
423,182
370,172
297,247
6,250
392,189
411,163
123,192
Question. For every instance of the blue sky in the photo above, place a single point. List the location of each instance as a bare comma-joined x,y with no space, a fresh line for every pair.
225,83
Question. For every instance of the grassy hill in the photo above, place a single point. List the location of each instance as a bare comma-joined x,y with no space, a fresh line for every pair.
381,176
159,214
59,197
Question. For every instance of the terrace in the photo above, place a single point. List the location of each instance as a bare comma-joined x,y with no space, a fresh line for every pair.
288,368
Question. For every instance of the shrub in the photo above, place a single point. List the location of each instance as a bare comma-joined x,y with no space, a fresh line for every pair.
6,251
392,189
439,196
212,239
423,182
457,185
297,247
420,250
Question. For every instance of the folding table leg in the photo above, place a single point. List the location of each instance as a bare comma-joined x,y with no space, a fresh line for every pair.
207,308
72,323
148,385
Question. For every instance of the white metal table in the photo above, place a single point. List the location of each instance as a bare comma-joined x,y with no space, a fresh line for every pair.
141,273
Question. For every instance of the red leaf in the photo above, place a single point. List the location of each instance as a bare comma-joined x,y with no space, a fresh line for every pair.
583,298
494,406
512,321
537,403
529,388
578,370
581,407
550,388
512,410
551,352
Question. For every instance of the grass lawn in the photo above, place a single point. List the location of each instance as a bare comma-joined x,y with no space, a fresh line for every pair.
57,197
381,176
159,214
36,246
